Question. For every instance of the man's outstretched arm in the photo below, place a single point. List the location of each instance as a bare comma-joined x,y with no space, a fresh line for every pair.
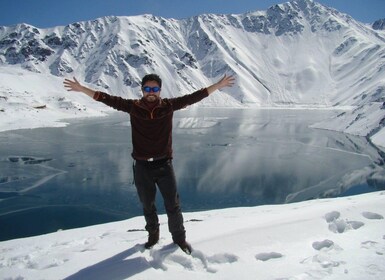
76,86
115,102
226,81
189,99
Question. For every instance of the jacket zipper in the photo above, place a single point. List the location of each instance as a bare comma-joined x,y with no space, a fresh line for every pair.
151,112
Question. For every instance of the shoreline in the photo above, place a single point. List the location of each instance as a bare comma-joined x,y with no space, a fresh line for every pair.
55,119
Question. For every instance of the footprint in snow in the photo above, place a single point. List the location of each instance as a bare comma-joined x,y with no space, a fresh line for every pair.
268,256
332,216
170,255
372,216
319,245
341,226
338,225
374,246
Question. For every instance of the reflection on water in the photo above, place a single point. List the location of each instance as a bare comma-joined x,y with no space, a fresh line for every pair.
271,156
58,178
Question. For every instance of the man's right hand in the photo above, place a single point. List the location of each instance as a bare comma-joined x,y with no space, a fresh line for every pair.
76,86
72,85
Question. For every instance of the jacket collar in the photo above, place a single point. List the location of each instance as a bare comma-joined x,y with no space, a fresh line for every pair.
146,105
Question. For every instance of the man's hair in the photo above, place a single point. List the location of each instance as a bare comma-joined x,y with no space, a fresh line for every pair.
152,77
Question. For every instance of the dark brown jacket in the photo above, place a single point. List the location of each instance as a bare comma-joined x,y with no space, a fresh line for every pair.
151,129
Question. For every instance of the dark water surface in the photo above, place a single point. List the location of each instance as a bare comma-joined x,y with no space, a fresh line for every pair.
60,178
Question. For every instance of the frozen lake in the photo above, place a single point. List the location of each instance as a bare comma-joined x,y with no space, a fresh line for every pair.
59,178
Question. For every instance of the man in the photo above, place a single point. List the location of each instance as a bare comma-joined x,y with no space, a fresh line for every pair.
151,125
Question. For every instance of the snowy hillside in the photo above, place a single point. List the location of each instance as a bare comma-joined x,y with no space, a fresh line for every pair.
298,53
30,100
366,120
340,238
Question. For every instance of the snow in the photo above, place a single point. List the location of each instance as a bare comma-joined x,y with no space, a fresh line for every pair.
339,238
379,138
199,122
30,100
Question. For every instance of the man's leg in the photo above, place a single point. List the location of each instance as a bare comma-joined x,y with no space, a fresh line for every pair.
146,188
167,186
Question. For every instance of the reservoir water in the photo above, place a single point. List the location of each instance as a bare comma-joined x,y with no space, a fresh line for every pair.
59,178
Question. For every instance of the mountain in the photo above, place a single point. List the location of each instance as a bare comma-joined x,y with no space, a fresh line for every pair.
379,24
298,53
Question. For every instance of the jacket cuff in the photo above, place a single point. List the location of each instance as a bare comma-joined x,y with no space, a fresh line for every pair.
98,95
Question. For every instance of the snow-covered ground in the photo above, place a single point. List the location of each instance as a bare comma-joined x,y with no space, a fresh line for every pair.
340,238
31,100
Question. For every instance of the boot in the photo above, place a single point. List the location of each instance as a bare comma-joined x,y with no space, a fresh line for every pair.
153,238
185,246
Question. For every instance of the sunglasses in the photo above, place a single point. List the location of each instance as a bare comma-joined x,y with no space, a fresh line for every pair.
151,89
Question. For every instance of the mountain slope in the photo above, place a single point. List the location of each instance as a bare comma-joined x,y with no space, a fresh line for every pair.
298,53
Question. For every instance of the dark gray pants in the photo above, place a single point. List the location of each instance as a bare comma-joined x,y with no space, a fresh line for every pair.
147,176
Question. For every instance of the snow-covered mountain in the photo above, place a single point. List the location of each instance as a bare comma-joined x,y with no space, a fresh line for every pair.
298,53
379,24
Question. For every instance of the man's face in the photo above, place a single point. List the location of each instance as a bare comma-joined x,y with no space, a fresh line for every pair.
151,96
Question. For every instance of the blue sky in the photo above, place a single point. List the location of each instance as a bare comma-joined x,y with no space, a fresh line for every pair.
49,13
